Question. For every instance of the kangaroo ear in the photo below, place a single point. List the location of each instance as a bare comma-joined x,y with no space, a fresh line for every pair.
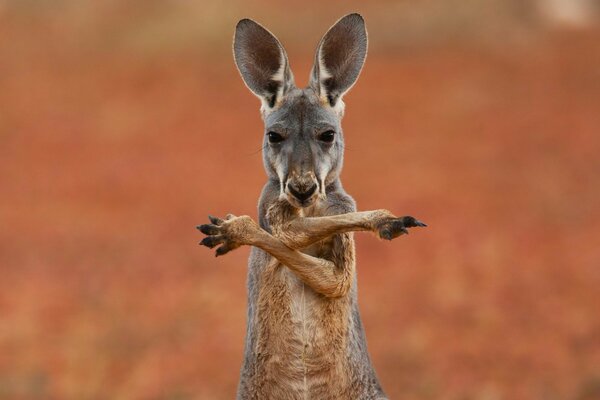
262,62
340,56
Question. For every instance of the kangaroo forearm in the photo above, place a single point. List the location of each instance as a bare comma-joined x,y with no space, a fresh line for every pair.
305,231
320,274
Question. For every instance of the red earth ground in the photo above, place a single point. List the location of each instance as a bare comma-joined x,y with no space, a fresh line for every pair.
108,163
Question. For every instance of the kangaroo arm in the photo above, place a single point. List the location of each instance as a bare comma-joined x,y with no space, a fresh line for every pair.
323,276
330,278
301,232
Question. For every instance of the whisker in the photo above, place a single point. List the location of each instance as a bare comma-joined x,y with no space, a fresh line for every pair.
258,151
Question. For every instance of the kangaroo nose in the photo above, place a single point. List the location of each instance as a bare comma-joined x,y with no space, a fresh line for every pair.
302,195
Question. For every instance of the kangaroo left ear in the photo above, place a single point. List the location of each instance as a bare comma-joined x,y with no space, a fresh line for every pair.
262,62
340,57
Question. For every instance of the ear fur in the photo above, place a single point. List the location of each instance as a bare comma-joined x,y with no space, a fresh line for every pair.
262,62
339,58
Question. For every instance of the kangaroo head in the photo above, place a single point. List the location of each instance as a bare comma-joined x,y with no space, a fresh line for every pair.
303,143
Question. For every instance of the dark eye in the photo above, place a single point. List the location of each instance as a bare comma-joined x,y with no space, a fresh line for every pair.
275,137
327,136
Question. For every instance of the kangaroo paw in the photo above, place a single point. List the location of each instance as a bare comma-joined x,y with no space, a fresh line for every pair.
395,227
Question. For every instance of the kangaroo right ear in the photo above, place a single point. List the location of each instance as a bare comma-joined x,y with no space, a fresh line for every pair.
262,62
340,58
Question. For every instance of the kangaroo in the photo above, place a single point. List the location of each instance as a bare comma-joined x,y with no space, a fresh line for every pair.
305,338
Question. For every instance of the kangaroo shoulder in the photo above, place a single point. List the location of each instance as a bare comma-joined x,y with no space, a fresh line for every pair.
339,202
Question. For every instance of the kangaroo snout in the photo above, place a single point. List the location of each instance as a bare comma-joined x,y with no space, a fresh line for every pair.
303,195
301,191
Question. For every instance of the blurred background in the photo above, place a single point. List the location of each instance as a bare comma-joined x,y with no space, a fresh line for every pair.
124,123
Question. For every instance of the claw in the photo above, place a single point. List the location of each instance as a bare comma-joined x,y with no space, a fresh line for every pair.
400,226
208,229
222,250
386,234
408,221
411,222
215,220
211,241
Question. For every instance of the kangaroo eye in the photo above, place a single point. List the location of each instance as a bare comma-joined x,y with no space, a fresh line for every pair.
275,137
327,136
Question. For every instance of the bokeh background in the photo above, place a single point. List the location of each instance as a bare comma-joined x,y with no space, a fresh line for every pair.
124,123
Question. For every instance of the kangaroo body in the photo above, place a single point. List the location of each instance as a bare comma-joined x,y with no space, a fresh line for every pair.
305,339
301,344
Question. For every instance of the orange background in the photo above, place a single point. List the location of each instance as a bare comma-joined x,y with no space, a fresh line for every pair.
123,124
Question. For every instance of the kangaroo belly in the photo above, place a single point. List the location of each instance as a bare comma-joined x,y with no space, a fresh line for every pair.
303,346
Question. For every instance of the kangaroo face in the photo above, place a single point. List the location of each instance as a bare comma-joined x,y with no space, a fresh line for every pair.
303,141
303,146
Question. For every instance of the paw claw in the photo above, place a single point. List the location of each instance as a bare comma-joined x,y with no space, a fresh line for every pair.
215,220
386,234
229,233
211,241
222,250
411,222
394,227
400,227
208,229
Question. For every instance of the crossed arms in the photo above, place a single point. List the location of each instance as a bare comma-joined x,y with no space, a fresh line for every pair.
289,235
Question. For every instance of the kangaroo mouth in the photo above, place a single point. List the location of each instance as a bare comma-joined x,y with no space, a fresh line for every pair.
301,196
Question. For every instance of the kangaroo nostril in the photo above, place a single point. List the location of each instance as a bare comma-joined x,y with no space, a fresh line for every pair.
302,196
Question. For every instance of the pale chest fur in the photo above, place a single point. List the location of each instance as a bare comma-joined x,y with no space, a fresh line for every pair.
301,335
